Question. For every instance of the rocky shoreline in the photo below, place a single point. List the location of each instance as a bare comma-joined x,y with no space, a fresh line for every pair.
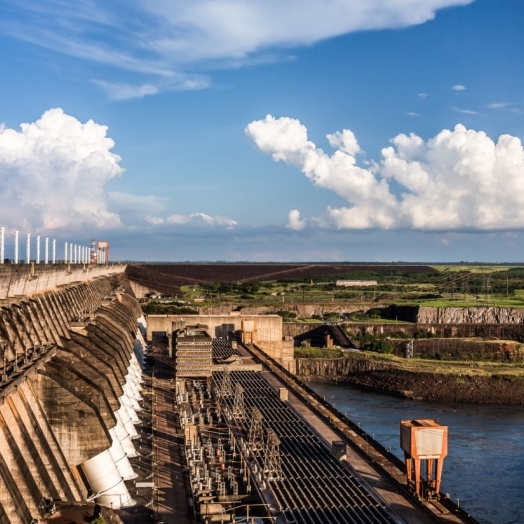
436,387
441,388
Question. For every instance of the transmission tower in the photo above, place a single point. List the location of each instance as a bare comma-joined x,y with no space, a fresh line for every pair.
238,403
409,349
465,287
256,432
272,464
486,286
225,387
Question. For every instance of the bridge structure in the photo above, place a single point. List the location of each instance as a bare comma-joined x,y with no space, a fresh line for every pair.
94,423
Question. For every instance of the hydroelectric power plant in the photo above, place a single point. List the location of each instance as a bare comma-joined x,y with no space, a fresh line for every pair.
107,415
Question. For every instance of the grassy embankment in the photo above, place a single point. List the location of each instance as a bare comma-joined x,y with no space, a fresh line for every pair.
417,365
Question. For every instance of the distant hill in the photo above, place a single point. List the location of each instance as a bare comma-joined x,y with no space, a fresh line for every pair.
167,278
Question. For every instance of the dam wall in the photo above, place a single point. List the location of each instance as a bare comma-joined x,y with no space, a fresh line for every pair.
69,390
23,280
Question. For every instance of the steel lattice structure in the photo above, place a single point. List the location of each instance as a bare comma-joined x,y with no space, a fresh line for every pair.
314,487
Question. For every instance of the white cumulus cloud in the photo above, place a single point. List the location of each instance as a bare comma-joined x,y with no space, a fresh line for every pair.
193,218
459,87
294,220
459,179
154,221
53,174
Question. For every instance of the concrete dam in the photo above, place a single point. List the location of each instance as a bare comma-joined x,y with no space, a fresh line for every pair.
69,390
95,421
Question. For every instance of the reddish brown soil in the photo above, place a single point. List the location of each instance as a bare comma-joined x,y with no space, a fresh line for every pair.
501,389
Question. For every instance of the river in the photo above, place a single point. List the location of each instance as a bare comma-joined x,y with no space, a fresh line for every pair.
484,468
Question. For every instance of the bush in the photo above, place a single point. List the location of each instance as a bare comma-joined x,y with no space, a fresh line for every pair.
363,316
155,308
287,316
400,334
379,345
318,353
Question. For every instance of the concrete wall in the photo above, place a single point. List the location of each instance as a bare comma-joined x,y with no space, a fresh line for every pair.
268,328
67,356
25,280
139,290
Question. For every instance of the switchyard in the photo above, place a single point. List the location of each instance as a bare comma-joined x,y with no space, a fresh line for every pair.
308,483
252,453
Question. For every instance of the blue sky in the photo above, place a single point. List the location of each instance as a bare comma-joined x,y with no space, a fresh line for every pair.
194,169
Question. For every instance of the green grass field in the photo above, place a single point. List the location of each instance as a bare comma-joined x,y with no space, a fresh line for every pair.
459,285
472,268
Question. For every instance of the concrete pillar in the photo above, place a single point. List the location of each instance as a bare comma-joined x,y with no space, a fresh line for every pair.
34,419
16,248
47,317
104,478
61,321
38,249
65,253
46,251
33,327
54,251
28,248
71,253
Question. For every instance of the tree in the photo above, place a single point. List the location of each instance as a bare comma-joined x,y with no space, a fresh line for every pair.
379,345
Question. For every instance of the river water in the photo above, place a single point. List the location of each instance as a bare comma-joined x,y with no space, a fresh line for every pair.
484,468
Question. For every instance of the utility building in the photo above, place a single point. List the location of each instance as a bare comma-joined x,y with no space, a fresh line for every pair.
193,352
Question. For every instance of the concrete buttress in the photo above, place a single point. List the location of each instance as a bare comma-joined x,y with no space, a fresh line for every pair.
69,389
